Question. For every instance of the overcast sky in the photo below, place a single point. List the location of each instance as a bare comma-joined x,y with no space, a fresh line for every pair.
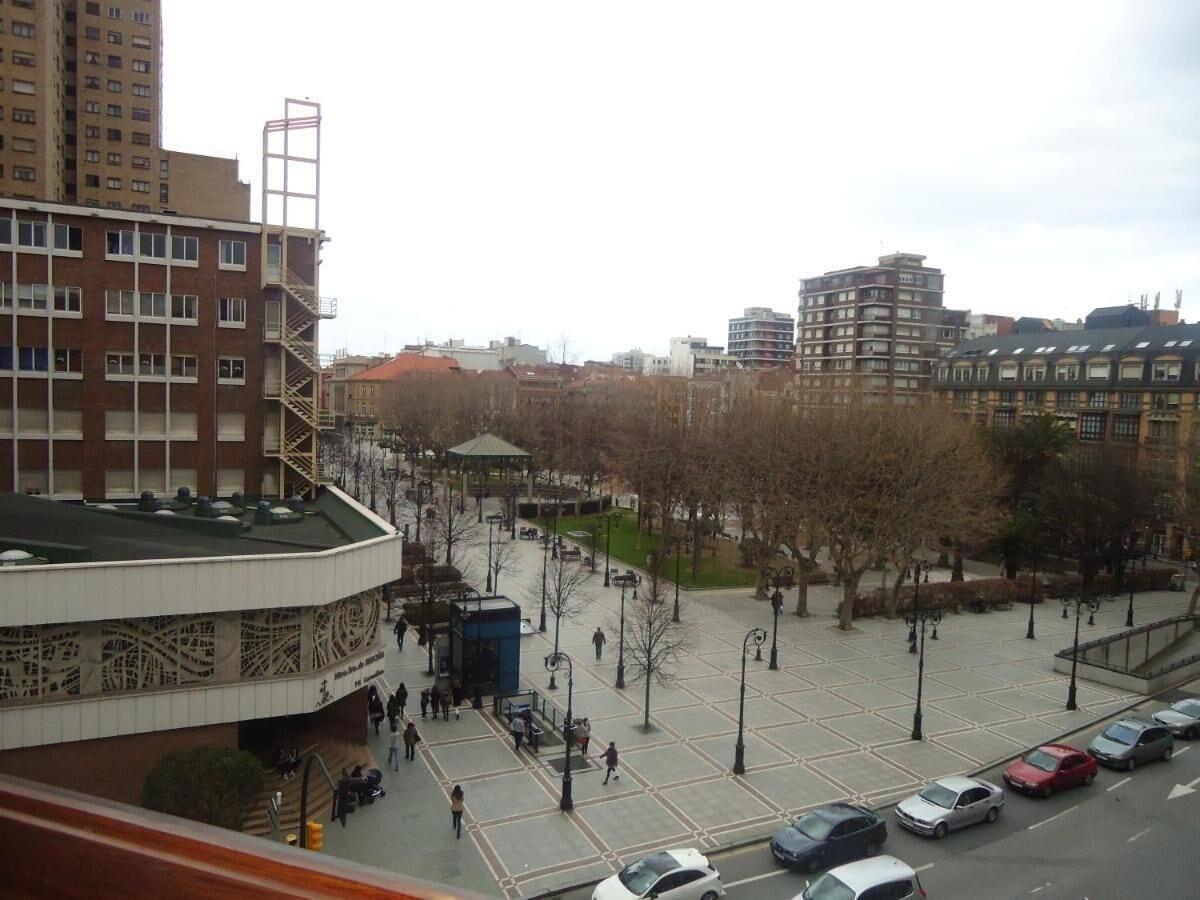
616,173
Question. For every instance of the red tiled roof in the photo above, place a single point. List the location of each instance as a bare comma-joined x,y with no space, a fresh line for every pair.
405,364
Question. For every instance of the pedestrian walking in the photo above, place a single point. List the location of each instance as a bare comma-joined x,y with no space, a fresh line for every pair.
375,707
446,706
435,699
456,810
394,747
401,698
583,734
401,629
393,711
598,640
410,741
517,727
610,761
424,702
456,690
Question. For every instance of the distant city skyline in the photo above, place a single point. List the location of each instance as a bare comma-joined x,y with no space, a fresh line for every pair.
648,172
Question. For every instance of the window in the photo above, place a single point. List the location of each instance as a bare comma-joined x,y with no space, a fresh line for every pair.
1035,372
1066,372
141,65
91,57
1003,419
114,37
185,248
152,305
33,297
141,90
1091,427
113,134
91,131
33,359
140,17
114,86
23,59
141,115
5,231
1098,371
114,62
114,159
140,187
24,173
68,237
231,369
114,12
92,156
118,303
233,253
119,243
183,306
1164,402
153,246
141,162
153,364
1033,398
164,193
141,137
31,234
140,41
1066,400
1165,371
91,33
114,184
92,181
232,312
183,366
114,109
68,299
23,29
24,115
66,360
1130,401
1098,399
91,106
1008,372
1131,371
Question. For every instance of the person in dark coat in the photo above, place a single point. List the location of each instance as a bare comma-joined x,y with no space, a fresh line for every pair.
456,691
401,698
410,741
435,698
375,705
393,711
610,762
424,702
446,706
401,629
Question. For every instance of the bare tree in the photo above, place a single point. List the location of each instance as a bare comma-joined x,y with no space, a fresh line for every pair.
393,490
454,523
653,638
563,586
504,559
372,472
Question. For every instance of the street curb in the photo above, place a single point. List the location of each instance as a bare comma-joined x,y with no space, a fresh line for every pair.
557,893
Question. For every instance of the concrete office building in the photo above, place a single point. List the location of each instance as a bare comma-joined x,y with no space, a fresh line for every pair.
692,356
761,338
84,118
877,328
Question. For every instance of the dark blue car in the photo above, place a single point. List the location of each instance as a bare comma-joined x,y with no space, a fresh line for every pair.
829,836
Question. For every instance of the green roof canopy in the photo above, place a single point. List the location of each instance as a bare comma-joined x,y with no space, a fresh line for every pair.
485,448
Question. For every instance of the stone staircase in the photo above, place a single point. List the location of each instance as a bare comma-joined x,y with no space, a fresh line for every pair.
337,755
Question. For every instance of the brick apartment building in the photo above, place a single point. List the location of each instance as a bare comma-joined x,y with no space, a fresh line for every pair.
876,328
761,338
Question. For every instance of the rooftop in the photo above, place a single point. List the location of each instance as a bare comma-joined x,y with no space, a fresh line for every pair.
71,532
405,364
1150,339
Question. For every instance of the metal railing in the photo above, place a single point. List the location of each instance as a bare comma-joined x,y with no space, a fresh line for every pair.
1129,635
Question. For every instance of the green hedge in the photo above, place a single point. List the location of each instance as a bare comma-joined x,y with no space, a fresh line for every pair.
214,785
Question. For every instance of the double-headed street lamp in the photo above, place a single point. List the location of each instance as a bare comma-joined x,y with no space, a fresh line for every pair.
918,567
678,558
1133,558
1032,599
545,547
609,517
629,578
913,620
554,662
493,520
778,580
1080,604
758,636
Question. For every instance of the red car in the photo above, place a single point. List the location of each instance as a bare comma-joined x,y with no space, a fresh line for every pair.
1050,768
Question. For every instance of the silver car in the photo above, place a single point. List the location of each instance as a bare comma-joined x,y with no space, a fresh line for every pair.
1128,742
950,803
1182,719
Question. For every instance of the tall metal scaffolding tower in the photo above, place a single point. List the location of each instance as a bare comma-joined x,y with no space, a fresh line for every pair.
291,258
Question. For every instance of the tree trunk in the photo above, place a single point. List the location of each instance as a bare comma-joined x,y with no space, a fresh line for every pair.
894,598
849,591
956,574
646,713
802,593
1010,568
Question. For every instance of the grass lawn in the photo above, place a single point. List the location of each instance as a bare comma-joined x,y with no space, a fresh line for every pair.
722,570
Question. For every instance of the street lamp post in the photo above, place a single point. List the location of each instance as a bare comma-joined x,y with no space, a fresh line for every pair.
678,557
918,567
626,580
610,517
1080,603
545,547
492,520
758,636
913,619
1132,571
554,662
779,579
1032,600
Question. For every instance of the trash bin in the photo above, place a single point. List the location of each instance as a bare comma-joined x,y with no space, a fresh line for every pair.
1177,581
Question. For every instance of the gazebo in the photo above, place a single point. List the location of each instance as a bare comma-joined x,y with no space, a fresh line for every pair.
481,455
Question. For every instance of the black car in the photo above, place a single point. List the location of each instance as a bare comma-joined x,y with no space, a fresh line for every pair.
830,836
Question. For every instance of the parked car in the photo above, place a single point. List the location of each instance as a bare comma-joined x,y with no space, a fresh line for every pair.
829,836
868,879
1128,742
669,874
947,803
1050,768
1182,719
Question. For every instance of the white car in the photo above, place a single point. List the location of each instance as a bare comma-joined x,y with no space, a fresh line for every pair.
669,874
881,876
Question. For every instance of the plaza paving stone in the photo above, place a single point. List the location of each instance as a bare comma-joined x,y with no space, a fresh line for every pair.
633,821
988,693
721,801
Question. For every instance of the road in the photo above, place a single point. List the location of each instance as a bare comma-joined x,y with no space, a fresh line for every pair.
1119,838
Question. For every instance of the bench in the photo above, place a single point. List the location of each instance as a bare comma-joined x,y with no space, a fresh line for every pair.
528,534
571,553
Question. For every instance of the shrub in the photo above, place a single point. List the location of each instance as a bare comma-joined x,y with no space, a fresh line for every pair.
214,785
750,549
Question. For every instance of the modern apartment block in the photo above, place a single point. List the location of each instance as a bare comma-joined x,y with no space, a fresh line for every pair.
83,123
143,352
761,338
692,356
877,328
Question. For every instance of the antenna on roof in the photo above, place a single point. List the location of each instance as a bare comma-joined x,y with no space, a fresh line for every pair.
1178,299
1157,294
1142,302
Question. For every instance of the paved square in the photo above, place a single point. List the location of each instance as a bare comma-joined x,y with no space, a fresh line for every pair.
871,695
538,842
718,802
715,687
632,821
503,796
793,787
826,674
477,757
981,746
862,774
696,721
760,713
925,759
866,729
667,765
806,739
816,704
977,710
721,750
600,704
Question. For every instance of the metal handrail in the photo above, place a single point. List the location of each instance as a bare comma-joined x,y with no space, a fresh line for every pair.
1141,629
